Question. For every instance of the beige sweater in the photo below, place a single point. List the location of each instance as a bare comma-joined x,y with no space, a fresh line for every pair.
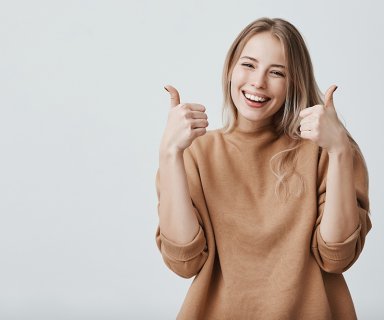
256,257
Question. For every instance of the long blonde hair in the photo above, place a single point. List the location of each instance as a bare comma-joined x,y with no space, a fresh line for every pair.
302,92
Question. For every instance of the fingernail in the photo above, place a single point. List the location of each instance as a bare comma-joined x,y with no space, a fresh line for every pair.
166,89
336,88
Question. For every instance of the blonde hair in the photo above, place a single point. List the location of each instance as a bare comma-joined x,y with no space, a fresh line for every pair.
302,92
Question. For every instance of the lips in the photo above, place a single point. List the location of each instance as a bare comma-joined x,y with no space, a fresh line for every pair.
255,100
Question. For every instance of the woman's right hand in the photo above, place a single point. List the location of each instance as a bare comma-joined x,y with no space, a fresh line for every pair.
186,122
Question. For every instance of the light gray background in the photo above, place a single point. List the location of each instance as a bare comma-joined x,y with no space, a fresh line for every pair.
82,110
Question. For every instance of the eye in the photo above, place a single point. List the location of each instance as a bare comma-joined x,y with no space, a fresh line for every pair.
248,65
278,74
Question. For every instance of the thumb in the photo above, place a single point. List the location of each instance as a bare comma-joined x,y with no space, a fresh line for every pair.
328,101
175,97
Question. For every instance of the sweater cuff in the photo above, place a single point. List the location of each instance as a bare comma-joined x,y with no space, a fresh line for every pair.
184,252
338,250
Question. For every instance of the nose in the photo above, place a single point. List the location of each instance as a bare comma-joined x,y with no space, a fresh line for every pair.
258,79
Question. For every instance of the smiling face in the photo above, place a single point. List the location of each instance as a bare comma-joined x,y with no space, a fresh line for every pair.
258,81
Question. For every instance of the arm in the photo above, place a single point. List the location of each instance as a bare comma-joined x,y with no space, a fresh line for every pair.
339,254
187,256
180,236
343,220
341,214
177,218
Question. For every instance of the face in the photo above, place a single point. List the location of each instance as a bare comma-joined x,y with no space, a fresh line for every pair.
258,82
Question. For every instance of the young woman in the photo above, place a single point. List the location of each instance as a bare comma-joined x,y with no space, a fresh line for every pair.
269,211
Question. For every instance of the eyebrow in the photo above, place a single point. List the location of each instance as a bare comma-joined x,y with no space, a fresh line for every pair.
272,65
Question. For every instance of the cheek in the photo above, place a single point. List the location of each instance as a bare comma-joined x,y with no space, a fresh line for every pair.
234,95
238,76
238,80
280,90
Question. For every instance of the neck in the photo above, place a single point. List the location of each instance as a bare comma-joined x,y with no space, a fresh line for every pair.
247,126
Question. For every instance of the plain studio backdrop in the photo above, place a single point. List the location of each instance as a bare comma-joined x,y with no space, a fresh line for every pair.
82,111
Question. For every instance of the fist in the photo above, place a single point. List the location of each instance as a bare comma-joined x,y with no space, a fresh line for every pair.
186,122
321,124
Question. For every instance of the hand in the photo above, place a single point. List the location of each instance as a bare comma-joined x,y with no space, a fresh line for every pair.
186,122
321,125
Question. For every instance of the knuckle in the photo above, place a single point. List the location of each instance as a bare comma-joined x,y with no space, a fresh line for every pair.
188,114
189,133
186,124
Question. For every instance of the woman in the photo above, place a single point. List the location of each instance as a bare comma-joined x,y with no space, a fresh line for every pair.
269,211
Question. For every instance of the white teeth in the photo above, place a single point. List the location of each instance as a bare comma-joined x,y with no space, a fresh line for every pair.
254,98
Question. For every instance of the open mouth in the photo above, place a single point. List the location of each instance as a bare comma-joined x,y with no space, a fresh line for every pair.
255,98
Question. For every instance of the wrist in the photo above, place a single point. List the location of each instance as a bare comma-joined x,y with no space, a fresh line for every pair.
170,152
342,147
341,152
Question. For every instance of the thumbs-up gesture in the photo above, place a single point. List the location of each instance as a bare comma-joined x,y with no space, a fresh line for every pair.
321,125
186,122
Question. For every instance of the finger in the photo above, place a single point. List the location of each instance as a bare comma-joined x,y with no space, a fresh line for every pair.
306,126
306,135
175,97
198,132
306,112
198,115
199,123
328,101
195,107
308,119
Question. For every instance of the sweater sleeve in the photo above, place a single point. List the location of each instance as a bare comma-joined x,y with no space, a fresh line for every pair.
186,260
338,257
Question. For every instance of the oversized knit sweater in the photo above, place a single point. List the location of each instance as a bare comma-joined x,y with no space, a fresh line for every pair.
255,256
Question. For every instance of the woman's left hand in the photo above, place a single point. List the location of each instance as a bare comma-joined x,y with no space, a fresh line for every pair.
321,125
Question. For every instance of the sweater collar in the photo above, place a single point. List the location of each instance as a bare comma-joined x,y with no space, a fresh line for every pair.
263,133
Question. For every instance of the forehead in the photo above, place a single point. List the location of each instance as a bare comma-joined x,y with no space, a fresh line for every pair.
265,47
